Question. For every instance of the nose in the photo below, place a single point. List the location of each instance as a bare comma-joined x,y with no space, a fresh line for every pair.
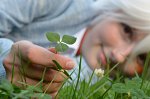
121,54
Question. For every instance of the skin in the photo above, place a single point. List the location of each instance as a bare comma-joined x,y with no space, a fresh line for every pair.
114,41
34,59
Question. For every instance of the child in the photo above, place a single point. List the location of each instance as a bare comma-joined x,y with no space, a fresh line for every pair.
106,35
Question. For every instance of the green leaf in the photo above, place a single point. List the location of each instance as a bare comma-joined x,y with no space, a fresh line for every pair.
6,85
42,96
59,67
53,37
57,64
16,89
119,88
134,83
61,47
68,39
33,88
138,93
66,73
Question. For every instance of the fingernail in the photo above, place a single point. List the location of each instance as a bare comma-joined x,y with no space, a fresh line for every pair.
70,64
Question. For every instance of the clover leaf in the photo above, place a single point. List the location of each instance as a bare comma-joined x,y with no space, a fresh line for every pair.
59,67
61,47
68,39
53,37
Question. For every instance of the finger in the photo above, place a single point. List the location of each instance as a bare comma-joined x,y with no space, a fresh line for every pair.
41,56
32,81
50,74
54,95
32,70
49,87
52,49
45,57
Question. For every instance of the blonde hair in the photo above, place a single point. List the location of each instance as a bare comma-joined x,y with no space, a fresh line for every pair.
134,13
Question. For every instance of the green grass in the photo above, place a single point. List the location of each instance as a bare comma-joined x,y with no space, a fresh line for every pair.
105,88
121,87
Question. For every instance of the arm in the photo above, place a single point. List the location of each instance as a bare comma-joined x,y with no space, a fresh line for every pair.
74,13
5,45
16,13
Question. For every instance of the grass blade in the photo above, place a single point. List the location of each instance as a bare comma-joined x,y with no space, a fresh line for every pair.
78,77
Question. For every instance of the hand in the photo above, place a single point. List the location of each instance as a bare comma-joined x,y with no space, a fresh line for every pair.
29,62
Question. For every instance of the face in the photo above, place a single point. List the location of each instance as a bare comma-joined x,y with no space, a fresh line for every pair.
111,40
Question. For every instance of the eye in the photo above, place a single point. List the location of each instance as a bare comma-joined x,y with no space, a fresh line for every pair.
128,30
142,58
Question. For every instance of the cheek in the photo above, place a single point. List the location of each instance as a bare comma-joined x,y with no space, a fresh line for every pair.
110,36
112,39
